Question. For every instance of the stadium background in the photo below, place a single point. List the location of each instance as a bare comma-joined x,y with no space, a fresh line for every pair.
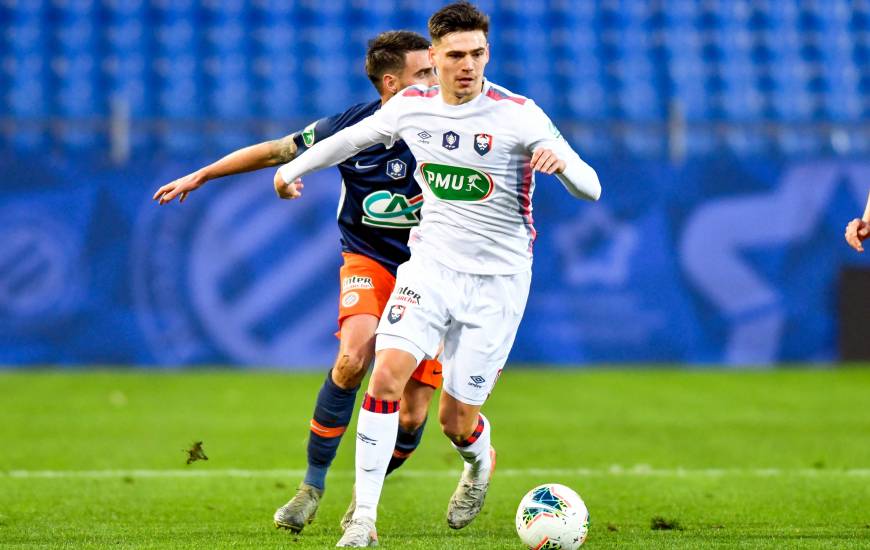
731,138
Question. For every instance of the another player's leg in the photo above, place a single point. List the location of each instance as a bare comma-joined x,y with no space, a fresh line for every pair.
377,427
332,414
469,431
412,420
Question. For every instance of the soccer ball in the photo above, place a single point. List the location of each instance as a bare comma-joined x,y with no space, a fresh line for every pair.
552,516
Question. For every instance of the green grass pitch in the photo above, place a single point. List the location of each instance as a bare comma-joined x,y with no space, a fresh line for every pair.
747,459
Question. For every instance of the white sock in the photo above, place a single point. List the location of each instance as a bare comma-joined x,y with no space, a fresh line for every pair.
375,441
476,453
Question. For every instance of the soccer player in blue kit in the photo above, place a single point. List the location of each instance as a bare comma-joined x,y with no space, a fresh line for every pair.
380,202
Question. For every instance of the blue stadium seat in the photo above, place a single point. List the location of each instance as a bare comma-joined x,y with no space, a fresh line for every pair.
795,62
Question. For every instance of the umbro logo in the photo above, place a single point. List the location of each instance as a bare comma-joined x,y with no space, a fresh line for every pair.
476,381
424,136
366,439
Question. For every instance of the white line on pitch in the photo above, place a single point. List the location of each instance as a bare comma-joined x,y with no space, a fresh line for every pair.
613,471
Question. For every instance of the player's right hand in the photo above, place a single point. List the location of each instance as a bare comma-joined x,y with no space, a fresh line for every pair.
292,190
179,188
856,232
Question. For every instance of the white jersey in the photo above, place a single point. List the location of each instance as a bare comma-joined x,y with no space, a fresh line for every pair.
473,167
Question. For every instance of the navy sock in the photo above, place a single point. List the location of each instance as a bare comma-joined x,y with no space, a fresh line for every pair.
406,443
332,414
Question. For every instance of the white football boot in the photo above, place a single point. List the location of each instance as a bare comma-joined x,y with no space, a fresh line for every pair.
360,533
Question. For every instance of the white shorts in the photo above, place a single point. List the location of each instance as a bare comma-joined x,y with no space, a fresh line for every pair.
476,316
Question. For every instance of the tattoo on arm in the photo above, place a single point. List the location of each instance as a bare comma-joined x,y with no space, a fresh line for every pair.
285,149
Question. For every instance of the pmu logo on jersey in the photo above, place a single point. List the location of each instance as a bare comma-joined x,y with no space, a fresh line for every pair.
457,183
397,169
482,143
450,140
395,314
392,211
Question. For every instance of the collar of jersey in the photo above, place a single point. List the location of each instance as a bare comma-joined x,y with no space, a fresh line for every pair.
486,86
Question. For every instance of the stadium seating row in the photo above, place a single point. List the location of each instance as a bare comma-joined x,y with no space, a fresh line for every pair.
624,62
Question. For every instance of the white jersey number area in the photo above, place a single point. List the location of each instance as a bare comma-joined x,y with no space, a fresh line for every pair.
457,183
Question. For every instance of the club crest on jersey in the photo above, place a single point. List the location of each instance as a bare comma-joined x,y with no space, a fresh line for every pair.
308,134
397,169
396,313
482,143
450,140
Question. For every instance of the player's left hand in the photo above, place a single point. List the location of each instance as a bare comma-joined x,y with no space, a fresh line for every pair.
546,161
856,232
292,190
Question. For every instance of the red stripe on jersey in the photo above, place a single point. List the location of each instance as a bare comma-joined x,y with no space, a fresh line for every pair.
525,199
497,95
417,92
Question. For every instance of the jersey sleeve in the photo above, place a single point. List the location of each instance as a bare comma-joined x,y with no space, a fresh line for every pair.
319,130
578,177
375,129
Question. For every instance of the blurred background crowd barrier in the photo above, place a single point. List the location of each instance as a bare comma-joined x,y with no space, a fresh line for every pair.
731,138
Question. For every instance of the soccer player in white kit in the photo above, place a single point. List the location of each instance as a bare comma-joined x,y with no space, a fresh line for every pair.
477,146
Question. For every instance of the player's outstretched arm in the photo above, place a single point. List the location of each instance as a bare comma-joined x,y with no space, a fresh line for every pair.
333,150
247,159
859,229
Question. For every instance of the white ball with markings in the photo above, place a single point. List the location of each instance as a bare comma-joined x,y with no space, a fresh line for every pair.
551,517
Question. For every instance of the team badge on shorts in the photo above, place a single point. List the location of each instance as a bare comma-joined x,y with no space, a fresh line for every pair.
482,143
450,141
396,313
396,169
350,299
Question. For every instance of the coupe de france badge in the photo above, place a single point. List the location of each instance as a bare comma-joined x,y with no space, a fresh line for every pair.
482,143
450,140
396,169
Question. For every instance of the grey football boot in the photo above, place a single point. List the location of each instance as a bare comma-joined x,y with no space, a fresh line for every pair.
300,511
467,499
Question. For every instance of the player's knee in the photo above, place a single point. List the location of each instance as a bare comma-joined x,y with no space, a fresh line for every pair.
455,430
385,385
412,418
350,368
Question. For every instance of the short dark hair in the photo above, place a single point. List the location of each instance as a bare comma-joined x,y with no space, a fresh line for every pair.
457,17
386,53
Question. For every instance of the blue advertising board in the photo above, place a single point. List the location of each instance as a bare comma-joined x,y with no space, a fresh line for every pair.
717,261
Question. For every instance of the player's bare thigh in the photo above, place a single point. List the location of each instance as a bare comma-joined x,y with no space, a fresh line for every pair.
458,419
356,350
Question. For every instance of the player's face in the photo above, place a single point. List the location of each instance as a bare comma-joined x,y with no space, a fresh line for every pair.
418,70
460,58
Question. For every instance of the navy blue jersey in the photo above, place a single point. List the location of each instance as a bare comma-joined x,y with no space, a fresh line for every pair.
380,201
